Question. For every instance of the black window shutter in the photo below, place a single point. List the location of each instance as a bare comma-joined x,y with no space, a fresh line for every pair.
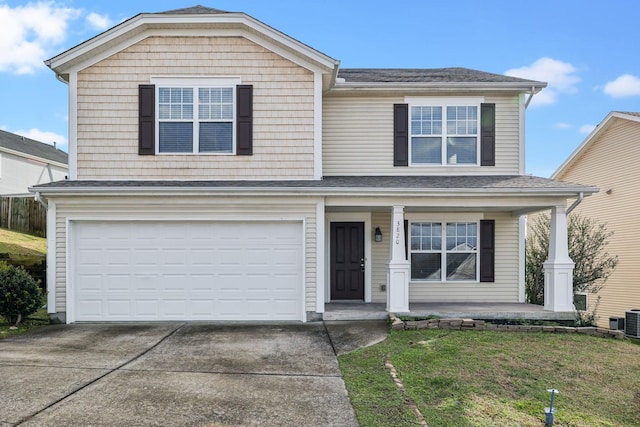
244,118
487,134
146,120
400,135
487,250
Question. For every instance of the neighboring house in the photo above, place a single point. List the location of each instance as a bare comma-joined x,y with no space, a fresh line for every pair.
220,169
609,158
25,162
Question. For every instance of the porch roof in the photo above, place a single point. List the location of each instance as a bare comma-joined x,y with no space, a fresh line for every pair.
330,185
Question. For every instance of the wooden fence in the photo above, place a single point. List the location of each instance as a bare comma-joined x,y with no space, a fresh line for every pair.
23,214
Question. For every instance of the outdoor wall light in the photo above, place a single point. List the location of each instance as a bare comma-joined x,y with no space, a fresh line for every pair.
378,235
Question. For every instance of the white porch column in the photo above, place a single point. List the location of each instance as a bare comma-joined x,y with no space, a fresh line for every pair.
399,267
558,268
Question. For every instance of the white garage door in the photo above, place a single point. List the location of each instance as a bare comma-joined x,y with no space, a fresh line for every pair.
168,270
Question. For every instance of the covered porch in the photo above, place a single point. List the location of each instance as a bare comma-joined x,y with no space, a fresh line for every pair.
446,310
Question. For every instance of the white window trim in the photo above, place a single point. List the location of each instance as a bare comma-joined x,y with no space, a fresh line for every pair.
444,219
194,82
444,102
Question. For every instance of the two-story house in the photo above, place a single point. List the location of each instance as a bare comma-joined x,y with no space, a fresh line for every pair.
222,170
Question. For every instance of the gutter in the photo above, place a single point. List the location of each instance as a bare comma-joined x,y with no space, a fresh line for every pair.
40,200
576,203
533,92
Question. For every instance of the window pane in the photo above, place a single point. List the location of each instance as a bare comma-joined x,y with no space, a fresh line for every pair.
461,266
216,103
426,120
461,150
216,137
426,150
425,266
176,137
461,236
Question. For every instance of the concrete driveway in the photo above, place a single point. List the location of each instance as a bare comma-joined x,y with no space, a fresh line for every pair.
178,374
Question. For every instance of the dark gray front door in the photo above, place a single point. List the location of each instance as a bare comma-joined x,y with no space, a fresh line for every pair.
347,260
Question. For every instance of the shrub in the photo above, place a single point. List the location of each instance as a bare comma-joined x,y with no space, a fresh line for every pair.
20,294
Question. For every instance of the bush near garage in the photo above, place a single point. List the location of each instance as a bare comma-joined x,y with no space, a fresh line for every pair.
20,294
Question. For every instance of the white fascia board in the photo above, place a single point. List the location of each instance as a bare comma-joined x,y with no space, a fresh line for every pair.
604,124
32,157
147,25
311,191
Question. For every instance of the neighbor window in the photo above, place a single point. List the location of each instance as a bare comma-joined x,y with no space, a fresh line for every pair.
444,134
195,119
437,247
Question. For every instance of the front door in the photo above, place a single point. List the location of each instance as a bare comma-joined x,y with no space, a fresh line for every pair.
347,260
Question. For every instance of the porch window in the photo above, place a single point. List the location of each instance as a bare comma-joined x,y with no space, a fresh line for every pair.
438,247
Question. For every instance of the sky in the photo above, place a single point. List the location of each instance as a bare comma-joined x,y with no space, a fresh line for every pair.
584,49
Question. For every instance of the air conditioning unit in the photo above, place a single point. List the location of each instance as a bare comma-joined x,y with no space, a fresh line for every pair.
632,323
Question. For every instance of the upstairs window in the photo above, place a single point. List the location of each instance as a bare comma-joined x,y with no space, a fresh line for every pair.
444,134
195,119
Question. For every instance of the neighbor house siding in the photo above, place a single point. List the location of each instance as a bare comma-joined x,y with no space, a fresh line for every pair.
358,138
18,173
611,163
193,209
283,111
505,287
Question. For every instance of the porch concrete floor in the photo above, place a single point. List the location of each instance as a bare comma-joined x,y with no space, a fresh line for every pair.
486,311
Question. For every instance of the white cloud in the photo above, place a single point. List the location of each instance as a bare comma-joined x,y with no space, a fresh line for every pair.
587,129
30,32
43,136
625,85
98,22
560,76
562,126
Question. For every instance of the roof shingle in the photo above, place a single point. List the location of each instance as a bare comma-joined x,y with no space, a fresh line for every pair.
32,147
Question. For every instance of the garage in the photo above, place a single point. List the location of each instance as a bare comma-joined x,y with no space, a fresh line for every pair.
176,270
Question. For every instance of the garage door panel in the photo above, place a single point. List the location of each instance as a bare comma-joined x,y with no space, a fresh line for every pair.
187,271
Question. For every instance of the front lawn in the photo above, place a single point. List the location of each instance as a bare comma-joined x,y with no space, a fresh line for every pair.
489,378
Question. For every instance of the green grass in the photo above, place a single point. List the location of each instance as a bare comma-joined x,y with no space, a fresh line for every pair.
488,378
36,320
20,244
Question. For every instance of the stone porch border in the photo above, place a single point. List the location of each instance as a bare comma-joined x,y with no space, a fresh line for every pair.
481,325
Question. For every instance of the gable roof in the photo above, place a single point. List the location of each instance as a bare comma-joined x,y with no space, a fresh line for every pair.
193,10
20,145
192,21
603,126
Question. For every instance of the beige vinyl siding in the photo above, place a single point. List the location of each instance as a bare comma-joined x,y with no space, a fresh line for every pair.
209,209
358,138
283,111
611,163
380,255
505,287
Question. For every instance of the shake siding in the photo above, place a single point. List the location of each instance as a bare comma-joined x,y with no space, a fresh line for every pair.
209,209
611,162
358,138
505,287
282,111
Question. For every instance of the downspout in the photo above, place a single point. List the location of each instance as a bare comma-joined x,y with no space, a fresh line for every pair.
533,92
42,202
576,203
